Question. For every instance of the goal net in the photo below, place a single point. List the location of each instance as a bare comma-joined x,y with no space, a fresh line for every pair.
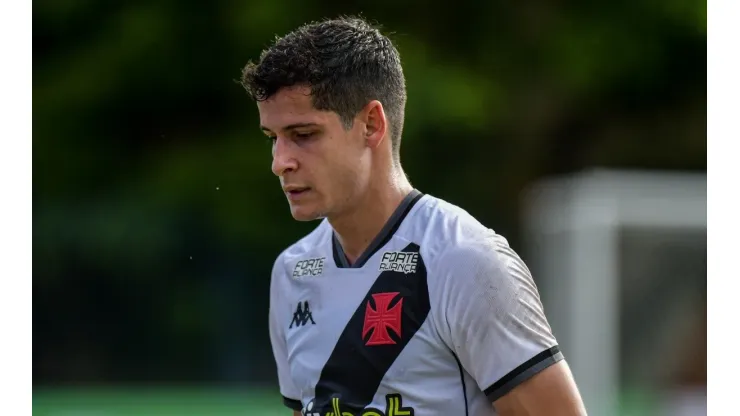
620,260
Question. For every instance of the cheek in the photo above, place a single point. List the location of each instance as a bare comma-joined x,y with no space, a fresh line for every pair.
343,180
341,167
345,174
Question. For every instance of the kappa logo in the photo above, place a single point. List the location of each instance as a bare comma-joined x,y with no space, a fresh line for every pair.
302,315
309,267
381,318
393,407
399,261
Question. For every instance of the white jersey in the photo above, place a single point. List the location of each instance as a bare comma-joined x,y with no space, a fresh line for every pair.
438,317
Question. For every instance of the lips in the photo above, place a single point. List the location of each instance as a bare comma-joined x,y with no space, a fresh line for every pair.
295,192
291,189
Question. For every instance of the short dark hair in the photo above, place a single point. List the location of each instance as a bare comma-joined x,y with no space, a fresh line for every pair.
346,62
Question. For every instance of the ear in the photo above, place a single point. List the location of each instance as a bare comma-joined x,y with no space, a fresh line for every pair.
376,125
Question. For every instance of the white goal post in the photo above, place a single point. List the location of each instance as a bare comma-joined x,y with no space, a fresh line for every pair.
571,227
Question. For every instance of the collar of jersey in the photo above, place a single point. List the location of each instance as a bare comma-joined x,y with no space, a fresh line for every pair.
385,234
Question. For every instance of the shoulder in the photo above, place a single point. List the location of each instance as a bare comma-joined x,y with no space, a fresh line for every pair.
304,248
479,255
450,231
460,246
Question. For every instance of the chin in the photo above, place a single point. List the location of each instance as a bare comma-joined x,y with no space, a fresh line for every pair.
305,213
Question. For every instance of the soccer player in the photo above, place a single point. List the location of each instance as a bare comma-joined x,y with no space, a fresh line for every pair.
397,303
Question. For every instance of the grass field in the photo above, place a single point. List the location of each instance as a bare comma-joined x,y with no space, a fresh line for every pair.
157,402
196,402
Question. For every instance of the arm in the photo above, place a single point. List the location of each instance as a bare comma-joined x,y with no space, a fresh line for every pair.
291,394
551,392
496,325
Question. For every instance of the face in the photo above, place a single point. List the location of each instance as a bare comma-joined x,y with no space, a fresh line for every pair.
322,167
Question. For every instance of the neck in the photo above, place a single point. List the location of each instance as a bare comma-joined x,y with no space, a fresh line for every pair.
357,228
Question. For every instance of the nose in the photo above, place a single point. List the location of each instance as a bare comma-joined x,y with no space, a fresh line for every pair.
283,159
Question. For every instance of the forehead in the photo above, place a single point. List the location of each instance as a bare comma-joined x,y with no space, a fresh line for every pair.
291,105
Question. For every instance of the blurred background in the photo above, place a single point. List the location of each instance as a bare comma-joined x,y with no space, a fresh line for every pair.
577,131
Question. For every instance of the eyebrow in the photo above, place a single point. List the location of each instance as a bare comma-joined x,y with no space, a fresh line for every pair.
292,126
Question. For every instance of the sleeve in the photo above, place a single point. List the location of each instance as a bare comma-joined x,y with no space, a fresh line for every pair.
291,394
493,318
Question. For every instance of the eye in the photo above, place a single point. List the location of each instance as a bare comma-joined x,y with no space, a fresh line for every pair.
303,136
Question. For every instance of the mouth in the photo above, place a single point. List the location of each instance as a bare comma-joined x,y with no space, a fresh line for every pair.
296,192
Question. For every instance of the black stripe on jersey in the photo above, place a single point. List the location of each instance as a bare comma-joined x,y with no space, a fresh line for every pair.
355,370
293,404
390,228
462,380
524,372
340,259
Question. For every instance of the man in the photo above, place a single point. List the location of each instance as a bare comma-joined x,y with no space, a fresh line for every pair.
398,303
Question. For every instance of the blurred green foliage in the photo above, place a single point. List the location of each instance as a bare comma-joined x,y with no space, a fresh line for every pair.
156,217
